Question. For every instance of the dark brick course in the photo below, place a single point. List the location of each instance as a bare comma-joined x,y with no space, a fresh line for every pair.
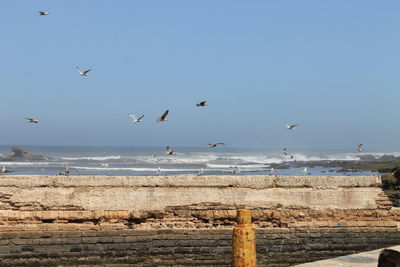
178,247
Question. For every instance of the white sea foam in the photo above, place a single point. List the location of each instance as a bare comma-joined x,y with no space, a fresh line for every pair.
104,158
25,163
349,157
229,166
138,169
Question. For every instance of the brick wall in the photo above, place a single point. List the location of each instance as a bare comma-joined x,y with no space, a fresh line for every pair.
198,235
183,247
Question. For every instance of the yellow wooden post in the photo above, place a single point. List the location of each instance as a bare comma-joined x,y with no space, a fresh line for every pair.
244,241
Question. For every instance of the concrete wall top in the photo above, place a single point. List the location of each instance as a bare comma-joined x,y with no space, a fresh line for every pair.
159,192
240,181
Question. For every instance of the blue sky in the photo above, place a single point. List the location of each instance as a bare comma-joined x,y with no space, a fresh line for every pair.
330,66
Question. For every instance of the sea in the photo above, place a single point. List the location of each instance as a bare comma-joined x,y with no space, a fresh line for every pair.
126,161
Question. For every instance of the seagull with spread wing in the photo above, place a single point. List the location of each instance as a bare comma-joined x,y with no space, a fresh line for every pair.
360,148
291,126
136,119
215,144
83,72
30,120
43,13
163,116
201,104
170,151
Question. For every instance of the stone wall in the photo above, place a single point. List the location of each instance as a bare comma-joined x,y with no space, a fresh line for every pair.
75,244
188,220
158,192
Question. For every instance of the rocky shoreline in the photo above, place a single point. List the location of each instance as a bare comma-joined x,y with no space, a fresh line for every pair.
384,164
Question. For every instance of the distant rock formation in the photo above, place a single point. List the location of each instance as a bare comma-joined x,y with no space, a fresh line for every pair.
20,154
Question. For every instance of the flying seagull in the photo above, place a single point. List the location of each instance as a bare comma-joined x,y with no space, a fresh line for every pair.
291,126
136,119
201,104
215,144
30,120
360,148
284,151
82,73
43,13
170,151
163,116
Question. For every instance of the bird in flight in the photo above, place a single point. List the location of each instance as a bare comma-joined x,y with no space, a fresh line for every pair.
82,73
284,151
170,151
163,116
30,120
291,126
136,119
360,148
201,104
43,13
215,144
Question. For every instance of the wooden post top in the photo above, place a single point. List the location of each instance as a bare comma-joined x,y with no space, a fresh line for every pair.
243,216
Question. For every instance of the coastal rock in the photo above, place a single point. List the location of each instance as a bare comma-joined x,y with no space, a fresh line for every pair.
20,154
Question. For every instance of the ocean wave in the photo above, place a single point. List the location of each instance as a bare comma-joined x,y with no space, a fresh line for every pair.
27,163
138,169
104,158
176,170
230,166
347,157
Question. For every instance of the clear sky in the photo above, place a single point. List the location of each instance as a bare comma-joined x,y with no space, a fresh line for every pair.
330,66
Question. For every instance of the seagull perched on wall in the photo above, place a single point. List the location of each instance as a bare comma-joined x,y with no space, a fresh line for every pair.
200,172
237,170
163,116
158,171
215,144
82,72
136,119
360,148
291,126
43,13
30,120
201,104
170,151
